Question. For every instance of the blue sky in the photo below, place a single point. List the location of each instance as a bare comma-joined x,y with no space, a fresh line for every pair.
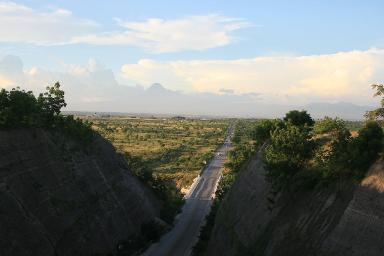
285,50
296,27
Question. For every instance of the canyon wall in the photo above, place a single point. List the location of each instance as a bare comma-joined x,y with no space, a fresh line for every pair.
59,197
339,219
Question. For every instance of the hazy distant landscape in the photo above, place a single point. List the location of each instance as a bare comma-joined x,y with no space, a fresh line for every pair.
223,106
343,110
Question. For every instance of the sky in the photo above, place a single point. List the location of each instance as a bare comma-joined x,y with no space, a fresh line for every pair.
244,54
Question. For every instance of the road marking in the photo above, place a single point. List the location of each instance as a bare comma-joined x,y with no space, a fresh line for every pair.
202,182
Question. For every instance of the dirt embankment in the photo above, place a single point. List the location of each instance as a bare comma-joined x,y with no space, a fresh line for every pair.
59,198
341,219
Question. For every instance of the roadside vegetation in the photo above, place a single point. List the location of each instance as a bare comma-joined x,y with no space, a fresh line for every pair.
302,153
166,153
21,109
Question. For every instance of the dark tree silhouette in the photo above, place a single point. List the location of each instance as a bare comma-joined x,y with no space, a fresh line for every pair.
299,118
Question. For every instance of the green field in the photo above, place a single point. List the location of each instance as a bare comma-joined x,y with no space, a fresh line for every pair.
174,150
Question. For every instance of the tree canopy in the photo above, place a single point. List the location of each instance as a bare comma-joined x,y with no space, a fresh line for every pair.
263,129
287,154
21,109
299,118
328,125
296,158
379,112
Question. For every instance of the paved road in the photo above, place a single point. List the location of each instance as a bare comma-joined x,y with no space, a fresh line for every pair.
180,240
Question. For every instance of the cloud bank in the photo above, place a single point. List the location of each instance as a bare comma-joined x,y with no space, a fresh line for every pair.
93,87
21,24
343,76
160,35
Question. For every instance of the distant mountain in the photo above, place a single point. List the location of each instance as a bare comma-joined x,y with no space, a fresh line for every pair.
343,110
156,87
157,99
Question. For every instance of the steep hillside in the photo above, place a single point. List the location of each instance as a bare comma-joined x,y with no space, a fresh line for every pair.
60,198
341,219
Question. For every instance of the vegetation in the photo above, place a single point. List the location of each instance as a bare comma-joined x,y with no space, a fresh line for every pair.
299,118
296,158
350,157
21,109
354,126
263,129
328,125
287,154
166,153
379,112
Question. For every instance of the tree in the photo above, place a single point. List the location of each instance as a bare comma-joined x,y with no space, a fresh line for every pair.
288,153
328,125
366,147
350,157
335,160
263,129
52,100
379,112
299,118
17,107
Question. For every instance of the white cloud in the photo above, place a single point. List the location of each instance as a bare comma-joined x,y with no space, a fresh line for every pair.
285,79
160,35
83,84
22,24
6,82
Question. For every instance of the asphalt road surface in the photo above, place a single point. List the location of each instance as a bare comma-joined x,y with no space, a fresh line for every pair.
181,239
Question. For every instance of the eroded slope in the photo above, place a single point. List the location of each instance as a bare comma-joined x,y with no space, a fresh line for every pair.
59,198
340,219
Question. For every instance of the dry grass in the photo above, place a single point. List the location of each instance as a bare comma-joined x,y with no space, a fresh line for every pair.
375,176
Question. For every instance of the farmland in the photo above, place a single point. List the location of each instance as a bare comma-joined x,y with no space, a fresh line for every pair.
172,149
